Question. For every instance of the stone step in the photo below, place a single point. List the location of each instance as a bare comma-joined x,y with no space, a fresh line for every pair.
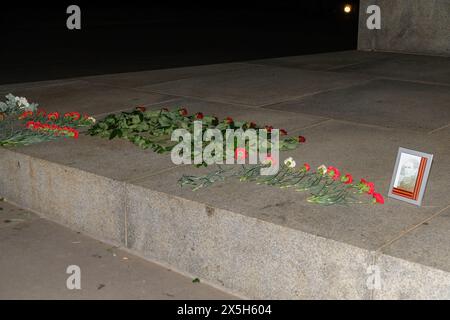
240,253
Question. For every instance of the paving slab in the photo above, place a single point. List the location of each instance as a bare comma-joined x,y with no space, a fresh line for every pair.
256,85
149,77
370,154
386,103
85,97
116,159
404,66
427,244
36,253
324,61
282,120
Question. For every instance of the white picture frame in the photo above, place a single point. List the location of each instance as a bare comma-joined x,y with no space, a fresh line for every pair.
410,176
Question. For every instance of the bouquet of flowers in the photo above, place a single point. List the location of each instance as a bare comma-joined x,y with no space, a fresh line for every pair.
22,123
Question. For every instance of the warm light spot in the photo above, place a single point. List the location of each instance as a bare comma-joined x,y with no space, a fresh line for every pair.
347,8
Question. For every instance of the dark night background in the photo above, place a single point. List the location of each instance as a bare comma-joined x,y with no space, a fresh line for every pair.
131,36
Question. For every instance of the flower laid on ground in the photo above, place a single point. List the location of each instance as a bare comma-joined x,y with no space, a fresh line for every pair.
301,139
347,179
323,184
72,116
199,115
52,129
307,167
153,128
24,123
290,163
53,116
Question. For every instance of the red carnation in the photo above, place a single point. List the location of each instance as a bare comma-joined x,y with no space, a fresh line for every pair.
229,120
41,112
26,114
301,139
74,115
283,132
371,188
336,173
269,128
199,115
378,198
307,166
347,179
252,125
141,108
53,116
183,111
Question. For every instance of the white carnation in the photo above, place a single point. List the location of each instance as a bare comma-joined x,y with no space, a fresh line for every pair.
289,162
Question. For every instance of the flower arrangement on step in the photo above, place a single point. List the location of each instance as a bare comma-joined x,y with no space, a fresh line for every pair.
326,185
22,123
153,128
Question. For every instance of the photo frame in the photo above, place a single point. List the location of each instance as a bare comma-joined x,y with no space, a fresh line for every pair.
410,176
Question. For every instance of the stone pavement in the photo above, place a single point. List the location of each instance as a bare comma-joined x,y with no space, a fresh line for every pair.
354,108
36,253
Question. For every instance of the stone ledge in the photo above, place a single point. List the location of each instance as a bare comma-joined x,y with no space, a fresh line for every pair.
256,258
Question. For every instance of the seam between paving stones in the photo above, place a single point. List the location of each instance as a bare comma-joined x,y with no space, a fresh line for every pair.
93,81
35,84
438,129
197,98
410,229
362,82
128,108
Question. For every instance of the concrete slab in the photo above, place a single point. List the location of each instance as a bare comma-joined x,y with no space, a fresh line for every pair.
405,280
85,97
386,103
324,61
75,198
286,120
37,252
116,159
427,244
365,226
256,85
10,216
259,259
144,78
405,67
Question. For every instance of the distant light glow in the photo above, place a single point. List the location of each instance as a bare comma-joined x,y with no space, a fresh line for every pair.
347,8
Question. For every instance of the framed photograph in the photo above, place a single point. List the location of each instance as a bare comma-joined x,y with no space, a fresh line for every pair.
410,176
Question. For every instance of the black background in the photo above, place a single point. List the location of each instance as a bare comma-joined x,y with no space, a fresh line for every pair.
131,36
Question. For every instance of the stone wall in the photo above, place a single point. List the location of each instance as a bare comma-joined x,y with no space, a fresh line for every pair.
412,26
